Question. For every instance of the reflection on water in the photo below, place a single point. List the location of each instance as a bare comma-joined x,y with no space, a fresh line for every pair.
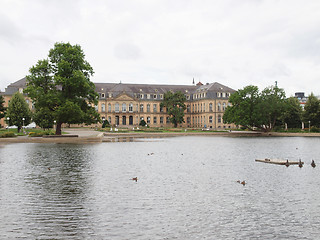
187,189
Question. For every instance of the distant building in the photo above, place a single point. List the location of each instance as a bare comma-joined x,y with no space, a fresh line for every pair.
302,98
125,105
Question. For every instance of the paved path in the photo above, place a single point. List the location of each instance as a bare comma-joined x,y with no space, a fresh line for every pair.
82,132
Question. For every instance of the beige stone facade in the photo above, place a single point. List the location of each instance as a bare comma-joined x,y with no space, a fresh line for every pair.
125,105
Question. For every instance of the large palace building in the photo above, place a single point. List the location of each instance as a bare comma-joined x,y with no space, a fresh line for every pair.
125,105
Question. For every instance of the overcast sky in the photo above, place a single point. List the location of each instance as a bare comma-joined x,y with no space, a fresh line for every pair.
233,42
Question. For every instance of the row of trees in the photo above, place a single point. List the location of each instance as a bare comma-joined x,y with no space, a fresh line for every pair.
269,108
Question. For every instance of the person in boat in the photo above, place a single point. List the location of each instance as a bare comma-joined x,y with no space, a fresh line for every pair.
287,163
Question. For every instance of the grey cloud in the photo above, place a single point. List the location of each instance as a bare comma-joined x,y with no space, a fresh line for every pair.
127,51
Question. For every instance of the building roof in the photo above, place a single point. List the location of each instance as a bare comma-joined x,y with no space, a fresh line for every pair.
131,89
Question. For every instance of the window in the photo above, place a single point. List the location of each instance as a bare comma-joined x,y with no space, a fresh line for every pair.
154,96
141,107
141,96
154,107
110,95
109,120
148,107
188,97
155,120
148,96
103,95
204,107
201,107
161,96
148,120
188,120
161,109
218,94
161,119
168,119
109,107
224,94
96,108
219,106
103,107
228,94
124,107
188,108
219,118
210,107
130,107
224,106
116,107
210,119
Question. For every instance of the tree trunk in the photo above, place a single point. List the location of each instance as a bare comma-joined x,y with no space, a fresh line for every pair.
58,129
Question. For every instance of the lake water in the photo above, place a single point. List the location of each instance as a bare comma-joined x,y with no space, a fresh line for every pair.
187,189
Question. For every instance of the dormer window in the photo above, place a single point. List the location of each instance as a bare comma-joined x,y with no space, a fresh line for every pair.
103,95
218,94
148,96
154,96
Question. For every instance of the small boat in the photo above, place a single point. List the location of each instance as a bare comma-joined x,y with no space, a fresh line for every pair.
279,161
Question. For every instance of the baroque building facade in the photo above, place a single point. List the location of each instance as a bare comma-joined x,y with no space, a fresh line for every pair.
125,105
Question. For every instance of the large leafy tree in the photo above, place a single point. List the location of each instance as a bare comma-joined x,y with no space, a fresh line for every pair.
244,108
250,108
292,113
175,105
271,107
18,111
2,107
312,111
61,89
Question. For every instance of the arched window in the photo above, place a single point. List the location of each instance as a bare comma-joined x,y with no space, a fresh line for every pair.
210,107
130,107
116,107
103,107
223,106
148,107
141,107
109,107
219,106
219,118
124,107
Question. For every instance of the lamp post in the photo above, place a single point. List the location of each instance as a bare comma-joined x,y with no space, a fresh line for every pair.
8,123
23,124
309,125
54,124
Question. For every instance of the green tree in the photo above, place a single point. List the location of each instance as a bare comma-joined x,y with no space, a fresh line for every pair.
175,104
271,107
292,113
244,108
253,109
18,111
312,111
2,108
61,89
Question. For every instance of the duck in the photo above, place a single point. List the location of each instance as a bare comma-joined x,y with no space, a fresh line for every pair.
135,179
300,164
287,163
243,183
313,164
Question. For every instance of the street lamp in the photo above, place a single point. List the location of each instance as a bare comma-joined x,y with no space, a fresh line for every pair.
23,125
309,125
8,123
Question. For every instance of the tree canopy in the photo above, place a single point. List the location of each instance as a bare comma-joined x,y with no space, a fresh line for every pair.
18,111
175,104
312,111
2,107
61,90
250,108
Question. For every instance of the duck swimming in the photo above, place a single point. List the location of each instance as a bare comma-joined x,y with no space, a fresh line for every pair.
313,164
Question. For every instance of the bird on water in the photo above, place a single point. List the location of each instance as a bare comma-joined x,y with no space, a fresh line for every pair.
300,164
313,164
287,163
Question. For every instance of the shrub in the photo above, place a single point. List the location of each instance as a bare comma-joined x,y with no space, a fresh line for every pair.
7,134
105,124
314,129
143,123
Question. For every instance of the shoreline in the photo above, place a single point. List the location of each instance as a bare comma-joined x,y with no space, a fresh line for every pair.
89,136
